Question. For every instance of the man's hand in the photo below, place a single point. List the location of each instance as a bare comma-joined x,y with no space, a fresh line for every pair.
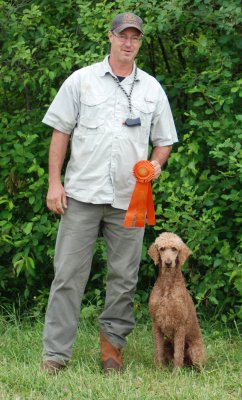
157,168
159,157
56,198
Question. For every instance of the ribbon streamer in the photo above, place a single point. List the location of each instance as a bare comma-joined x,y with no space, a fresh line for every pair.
141,203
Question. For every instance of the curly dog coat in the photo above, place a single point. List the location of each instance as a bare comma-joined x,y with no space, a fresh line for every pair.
176,332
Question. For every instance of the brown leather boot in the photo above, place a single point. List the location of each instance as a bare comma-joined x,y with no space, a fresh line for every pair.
110,356
52,367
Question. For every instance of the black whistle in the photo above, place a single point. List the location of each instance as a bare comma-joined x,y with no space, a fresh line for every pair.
133,122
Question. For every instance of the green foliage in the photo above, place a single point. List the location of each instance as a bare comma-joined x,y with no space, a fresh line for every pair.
198,196
193,49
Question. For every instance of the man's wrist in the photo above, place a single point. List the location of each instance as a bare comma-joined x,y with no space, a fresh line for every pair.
54,181
156,161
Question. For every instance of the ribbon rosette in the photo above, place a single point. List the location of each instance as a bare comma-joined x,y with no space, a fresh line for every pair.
141,203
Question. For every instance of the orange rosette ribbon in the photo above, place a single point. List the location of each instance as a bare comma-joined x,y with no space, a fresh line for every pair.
141,203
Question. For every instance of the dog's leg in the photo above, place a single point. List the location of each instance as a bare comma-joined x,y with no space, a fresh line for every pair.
159,346
196,353
179,345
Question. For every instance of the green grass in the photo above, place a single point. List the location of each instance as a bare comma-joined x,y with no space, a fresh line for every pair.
21,376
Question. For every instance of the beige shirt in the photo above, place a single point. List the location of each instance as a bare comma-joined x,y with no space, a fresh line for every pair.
92,107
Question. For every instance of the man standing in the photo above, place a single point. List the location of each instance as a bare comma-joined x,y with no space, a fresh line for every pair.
112,110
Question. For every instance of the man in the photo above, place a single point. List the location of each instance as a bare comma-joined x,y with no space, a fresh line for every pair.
112,109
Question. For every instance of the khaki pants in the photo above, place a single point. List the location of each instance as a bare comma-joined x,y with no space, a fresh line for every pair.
75,243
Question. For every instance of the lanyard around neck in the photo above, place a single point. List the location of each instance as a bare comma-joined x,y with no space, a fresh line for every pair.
124,91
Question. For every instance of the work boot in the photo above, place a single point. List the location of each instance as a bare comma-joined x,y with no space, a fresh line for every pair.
52,367
110,356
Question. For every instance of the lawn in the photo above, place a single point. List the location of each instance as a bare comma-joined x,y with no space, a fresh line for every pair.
21,376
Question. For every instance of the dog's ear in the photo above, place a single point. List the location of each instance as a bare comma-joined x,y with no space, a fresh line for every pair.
154,253
183,254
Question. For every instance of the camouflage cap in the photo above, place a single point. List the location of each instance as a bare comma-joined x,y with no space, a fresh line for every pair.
126,20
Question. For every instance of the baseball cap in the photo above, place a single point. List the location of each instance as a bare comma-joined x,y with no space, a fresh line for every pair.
126,20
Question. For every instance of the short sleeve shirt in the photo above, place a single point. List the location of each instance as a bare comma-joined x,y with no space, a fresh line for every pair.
92,107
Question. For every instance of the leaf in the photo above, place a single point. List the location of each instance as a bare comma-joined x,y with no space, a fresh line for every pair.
28,228
213,300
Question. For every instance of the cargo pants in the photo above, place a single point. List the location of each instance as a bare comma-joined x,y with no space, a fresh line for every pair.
77,234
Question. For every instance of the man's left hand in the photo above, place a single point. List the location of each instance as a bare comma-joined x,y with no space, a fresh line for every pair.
157,168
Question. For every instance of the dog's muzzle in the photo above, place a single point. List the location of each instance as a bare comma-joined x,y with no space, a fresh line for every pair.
168,263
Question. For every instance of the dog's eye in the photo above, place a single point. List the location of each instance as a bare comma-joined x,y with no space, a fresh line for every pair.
174,249
162,248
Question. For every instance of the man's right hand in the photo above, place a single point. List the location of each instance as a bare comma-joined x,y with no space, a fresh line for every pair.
56,198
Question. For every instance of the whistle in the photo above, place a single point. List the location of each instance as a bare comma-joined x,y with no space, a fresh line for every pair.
133,122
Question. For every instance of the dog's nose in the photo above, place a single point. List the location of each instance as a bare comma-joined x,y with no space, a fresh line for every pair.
168,263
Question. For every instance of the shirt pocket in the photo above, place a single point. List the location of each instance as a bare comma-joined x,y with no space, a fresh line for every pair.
145,110
92,116
93,110
90,127
88,134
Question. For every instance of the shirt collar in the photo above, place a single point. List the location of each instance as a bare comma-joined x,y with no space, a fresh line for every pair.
106,69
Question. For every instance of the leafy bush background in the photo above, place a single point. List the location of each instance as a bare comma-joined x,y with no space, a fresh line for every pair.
192,48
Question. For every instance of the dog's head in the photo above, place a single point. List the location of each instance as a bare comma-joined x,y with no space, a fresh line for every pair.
169,251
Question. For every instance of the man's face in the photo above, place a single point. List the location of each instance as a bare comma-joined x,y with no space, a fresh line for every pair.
125,45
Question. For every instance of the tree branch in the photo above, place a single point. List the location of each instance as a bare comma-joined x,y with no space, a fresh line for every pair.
164,53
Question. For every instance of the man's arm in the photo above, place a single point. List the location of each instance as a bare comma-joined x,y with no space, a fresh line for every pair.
56,196
159,157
